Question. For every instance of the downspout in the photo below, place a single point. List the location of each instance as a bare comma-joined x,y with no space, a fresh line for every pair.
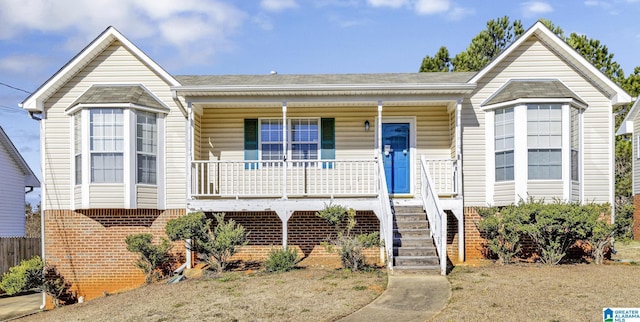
42,193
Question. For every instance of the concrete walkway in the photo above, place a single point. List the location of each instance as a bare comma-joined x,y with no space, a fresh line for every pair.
407,298
15,306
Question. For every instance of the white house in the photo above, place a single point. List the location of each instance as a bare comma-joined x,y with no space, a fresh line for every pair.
15,176
127,146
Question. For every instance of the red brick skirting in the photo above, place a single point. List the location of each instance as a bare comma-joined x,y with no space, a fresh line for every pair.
88,249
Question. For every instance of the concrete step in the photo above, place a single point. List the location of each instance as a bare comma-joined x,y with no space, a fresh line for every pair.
413,242
410,217
422,270
408,209
411,233
414,261
414,251
411,224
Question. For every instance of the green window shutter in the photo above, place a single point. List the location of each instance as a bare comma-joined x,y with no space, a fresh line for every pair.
328,141
250,141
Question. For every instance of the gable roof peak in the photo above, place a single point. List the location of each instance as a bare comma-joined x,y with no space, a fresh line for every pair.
35,101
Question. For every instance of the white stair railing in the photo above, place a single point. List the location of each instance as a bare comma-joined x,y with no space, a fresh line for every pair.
387,214
436,215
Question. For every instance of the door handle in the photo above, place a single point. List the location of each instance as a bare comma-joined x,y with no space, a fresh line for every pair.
404,151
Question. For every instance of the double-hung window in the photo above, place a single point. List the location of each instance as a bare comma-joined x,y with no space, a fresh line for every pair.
504,142
77,147
106,145
146,147
575,144
302,139
544,141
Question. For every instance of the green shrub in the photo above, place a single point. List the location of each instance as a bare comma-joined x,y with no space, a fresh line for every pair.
503,230
349,246
214,245
23,277
281,260
151,257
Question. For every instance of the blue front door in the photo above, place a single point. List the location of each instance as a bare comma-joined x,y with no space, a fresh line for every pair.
396,155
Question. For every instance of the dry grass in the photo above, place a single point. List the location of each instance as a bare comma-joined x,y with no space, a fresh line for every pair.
311,294
532,292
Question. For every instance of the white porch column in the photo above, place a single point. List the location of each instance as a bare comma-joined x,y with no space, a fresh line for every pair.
379,152
188,139
284,149
459,194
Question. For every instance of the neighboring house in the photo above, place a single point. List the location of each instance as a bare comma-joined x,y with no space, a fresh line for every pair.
631,125
15,176
127,146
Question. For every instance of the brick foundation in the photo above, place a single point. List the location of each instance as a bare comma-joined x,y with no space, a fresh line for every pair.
452,238
88,249
306,232
265,234
473,241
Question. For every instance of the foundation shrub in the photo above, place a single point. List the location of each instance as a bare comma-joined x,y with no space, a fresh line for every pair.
281,260
152,257
214,244
346,242
23,277
503,230
553,228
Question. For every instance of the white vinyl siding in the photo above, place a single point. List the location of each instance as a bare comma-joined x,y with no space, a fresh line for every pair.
533,59
12,183
505,193
115,65
107,196
146,197
545,190
636,155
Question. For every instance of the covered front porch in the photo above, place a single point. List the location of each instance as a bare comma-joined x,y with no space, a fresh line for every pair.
301,150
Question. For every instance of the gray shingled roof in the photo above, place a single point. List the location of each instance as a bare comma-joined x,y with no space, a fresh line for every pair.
133,94
516,89
324,79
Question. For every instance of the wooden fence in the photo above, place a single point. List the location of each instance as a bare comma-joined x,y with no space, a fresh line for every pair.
15,249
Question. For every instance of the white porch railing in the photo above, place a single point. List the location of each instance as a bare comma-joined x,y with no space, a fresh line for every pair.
284,178
444,173
436,215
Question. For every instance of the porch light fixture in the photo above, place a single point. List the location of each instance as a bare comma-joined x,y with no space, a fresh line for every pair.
366,126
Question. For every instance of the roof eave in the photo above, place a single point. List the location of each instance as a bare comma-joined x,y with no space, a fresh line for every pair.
320,88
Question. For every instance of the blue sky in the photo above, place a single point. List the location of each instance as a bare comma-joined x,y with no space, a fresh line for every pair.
37,37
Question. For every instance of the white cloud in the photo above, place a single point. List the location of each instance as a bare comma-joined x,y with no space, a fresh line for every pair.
388,3
459,12
205,25
429,7
262,21
22,64
278,5
534,8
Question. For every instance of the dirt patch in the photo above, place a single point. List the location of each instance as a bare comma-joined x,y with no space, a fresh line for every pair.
309,294
534,292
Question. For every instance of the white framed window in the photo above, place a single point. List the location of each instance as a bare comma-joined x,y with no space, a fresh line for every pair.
575,144
146,147
271,139
77,147
106,145
303,139
504,144
544,141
